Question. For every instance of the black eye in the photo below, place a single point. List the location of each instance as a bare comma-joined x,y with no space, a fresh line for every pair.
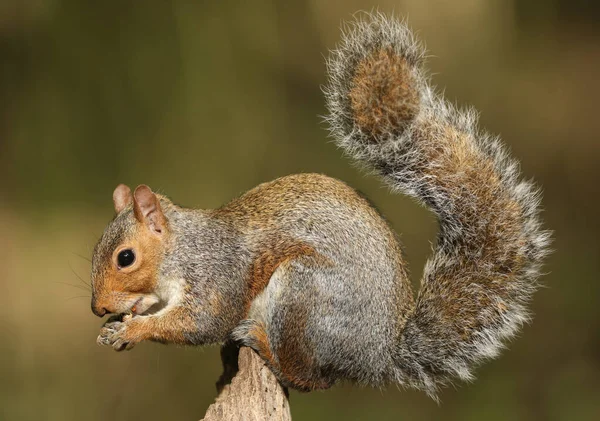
125,258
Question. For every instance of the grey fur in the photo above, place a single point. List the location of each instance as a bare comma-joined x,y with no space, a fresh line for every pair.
430,352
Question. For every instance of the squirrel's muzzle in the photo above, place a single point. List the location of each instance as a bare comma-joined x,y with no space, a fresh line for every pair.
97,308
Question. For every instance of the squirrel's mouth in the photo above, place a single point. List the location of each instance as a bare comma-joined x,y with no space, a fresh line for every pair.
145,305
149,311
134,307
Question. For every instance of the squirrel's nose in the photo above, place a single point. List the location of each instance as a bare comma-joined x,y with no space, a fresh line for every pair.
99,306
98,311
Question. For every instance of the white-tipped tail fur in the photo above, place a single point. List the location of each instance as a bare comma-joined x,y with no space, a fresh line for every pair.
491,245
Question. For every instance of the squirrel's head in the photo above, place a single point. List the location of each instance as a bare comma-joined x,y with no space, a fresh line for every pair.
126,260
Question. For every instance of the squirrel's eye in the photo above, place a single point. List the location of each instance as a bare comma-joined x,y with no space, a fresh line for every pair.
125,258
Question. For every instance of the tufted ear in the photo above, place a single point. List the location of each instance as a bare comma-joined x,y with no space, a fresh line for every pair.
122,197
146,208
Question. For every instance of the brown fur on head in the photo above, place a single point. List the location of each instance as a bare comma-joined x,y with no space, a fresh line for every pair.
139,228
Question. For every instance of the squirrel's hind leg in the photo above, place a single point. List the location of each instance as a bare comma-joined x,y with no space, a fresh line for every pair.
293,370
276,330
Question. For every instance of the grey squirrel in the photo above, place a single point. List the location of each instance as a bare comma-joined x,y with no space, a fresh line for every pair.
306,272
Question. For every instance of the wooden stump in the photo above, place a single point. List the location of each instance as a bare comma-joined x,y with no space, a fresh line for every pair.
248,390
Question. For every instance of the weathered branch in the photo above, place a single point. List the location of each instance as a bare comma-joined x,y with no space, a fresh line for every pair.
248,390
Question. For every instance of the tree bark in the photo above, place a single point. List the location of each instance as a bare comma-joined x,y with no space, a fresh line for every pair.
248,390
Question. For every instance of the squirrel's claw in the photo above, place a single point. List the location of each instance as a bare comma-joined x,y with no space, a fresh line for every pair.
119,345
113,333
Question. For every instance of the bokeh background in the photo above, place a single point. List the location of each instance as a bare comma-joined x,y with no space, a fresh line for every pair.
203,100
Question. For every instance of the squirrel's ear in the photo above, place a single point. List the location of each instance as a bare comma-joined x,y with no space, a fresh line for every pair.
146,208
122,197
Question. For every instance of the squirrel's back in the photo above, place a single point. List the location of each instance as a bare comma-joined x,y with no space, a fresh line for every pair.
309,206
322,213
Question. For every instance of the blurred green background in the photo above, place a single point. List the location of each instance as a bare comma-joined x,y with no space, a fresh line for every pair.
203,100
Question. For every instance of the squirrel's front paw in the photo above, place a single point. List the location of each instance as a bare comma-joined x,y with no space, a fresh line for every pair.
117,334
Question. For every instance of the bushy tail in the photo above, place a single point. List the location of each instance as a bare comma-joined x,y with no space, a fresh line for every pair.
491,245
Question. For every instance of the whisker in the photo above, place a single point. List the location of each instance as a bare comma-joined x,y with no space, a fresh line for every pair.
88,285
87,259
84,288
78,296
